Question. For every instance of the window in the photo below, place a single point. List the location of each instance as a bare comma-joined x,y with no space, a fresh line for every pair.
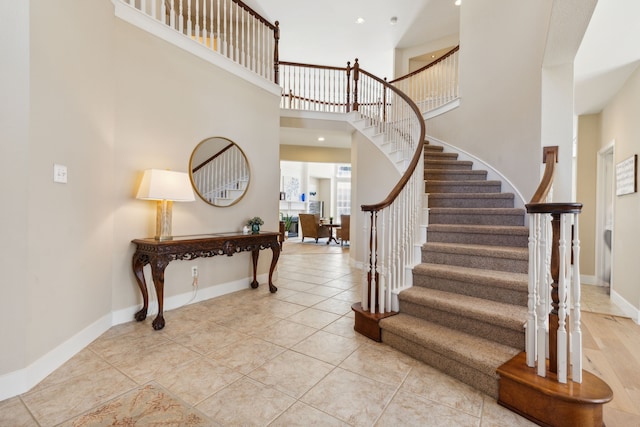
344,171
343,197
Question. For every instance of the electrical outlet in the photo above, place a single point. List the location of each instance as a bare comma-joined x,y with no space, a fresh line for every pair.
194,271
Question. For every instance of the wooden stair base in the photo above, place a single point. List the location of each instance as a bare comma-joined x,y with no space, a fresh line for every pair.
366,323
548,402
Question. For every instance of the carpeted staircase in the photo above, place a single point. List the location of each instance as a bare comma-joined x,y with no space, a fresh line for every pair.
466,311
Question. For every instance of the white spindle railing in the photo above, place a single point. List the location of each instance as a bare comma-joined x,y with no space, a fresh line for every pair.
391,225
228,27
223,179
314,87
568,342
434,85
390,236
553,329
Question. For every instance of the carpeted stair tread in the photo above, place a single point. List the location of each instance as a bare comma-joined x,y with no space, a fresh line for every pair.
440,155
479,182
477,216
471,200
452,164
433,148
463,186
466,249
500,279
508,316
485,234
494,285
454,175
481,229
483,355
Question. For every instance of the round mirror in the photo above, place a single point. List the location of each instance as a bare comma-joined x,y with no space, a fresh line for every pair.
219,171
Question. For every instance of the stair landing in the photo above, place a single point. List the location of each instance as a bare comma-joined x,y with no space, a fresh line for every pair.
547,402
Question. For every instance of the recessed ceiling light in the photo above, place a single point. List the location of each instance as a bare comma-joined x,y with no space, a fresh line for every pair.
393,20
360,21
458,2
321,138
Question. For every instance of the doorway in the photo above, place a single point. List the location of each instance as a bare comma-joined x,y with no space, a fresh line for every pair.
604,216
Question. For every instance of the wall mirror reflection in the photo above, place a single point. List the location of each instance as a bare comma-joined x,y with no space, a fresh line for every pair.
219,171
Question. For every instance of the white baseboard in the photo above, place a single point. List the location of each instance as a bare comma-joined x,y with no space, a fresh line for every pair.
626,306
22,380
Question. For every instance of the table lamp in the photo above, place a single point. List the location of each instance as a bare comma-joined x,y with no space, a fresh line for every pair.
166,187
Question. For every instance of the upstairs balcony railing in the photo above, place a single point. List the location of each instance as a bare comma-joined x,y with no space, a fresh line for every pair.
228,27
433,85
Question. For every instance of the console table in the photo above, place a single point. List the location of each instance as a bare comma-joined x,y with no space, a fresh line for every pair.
159,253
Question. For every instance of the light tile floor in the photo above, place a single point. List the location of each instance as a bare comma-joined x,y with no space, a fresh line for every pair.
255,358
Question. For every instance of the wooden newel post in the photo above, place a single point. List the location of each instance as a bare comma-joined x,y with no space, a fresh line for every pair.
356,77
555,300
348,86
384,101
276,55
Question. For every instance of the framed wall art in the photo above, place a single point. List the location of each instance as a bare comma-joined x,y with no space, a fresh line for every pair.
627,176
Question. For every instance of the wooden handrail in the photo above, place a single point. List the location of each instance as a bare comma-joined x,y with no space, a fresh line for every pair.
429,65
417,156
550,157
256,15
322,67
210,159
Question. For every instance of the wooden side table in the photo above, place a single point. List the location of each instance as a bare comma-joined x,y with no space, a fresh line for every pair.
159,254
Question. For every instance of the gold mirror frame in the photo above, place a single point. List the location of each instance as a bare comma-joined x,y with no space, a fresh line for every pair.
219,171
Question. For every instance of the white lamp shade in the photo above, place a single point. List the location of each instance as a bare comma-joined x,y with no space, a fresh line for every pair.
158,184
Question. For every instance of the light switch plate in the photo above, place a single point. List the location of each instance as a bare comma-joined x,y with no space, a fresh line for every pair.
59,173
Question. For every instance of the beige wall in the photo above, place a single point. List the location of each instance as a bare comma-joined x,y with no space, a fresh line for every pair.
620,123
69,226
499,119
167,102
373,176
586,180
14,167
304,153
89,91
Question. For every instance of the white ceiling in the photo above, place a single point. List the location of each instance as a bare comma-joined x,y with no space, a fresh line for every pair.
608,55
325,32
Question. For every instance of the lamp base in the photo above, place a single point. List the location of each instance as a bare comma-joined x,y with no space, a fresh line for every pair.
163,220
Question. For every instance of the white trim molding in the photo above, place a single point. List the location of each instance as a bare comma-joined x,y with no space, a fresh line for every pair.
625,306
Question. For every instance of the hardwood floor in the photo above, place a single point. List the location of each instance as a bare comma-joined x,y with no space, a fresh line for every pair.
612,351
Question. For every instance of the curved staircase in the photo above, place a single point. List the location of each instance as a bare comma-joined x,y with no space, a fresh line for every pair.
466,311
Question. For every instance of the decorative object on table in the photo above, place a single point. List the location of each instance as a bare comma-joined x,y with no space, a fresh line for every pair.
255,224
246,229
330,220
166,187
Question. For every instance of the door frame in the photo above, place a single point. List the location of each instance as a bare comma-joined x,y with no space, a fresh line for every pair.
605,153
